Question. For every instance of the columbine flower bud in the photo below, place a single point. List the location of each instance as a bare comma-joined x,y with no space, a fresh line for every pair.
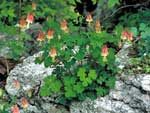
17,84
97,26
124,35
64,26
24,103
89,18
22,23
33,6
50,34
40,36
104,53
29,20
53,53
130,36
15,109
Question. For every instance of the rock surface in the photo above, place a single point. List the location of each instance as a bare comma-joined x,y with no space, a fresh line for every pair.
28,74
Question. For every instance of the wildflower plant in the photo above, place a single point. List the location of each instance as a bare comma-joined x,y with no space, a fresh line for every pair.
83,61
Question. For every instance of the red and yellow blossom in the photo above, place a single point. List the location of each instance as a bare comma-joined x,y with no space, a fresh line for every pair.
130,36
15,109
89,18
53,52
24,103
50,34
29,19
126,35
64,26
22,23
104,53
97,26
40,36
17,84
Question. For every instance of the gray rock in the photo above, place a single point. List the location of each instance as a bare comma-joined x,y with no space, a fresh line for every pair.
29,76
122,58
146,83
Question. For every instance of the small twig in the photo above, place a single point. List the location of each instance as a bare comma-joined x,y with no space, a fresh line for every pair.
137,39
126,6
20,7
7,66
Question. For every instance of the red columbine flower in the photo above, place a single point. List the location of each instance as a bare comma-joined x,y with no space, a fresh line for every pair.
130,36
30,18
22,23
15,109
104,53
50,34
53,53
24,103
17,84
126,35
89,18
33,6
64,26
97,26
40,36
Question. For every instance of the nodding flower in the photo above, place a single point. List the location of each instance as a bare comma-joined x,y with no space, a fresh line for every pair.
89,18
53,53
24,103
15,109
126,35
22,23
17,84
29,20
97,26
40,36
33,6
104,53
64,26
130,36
50,34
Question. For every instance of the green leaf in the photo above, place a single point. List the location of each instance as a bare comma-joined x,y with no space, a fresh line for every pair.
85,84
100,80
112,3
111,82
92,74
100,91
81,74
142,27
70,93
48,61
134,31
79,88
